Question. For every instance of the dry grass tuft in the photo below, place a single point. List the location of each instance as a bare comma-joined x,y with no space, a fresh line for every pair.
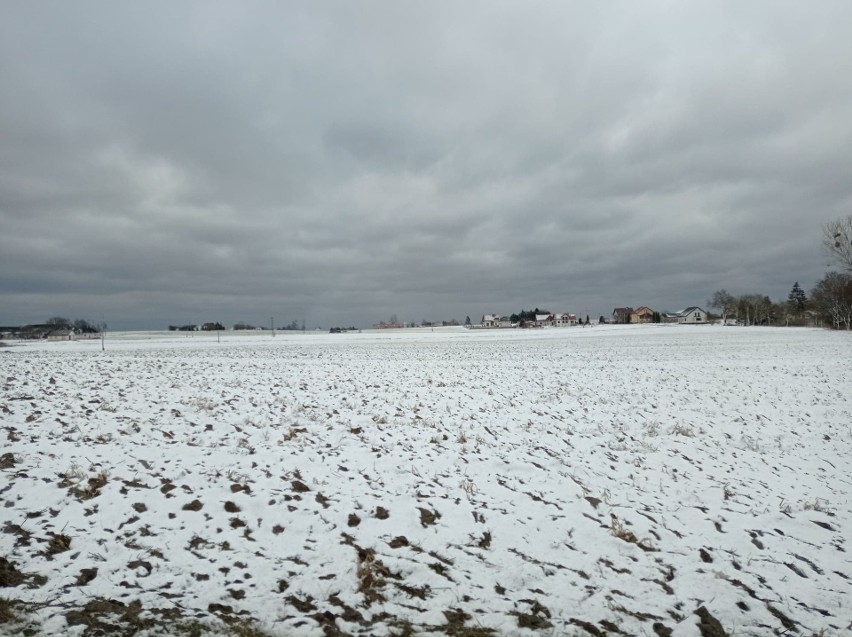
80,485
370,581
58,543
372,575
13,618
623,533
683,430
7,611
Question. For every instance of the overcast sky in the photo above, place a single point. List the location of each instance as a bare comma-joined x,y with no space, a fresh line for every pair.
340,162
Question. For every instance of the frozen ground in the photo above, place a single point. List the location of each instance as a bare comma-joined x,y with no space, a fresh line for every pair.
648,481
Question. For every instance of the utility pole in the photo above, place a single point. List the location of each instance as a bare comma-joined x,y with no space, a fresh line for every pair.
103,332
272,325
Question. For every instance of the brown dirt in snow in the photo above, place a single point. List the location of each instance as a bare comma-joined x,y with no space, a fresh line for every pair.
9,575
709,625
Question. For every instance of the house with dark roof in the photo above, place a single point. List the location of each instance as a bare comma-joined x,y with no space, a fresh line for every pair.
621,314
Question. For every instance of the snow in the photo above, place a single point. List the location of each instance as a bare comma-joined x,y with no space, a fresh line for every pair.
568,480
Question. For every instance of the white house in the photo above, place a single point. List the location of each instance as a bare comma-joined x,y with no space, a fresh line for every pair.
62,335
692,316
558,319
564,320
494,320
543,320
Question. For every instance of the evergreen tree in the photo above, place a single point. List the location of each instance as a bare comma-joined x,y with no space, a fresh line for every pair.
797,301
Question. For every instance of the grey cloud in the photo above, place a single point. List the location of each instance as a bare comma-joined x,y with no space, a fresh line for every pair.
347,161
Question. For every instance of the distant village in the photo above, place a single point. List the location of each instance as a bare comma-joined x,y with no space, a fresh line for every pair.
620,315
58,329
743,310
526,319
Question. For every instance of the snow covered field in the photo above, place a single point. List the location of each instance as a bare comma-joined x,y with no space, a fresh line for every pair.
645,481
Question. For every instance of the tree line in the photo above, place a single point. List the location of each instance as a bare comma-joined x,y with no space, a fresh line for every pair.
757,309
829,302
81,326
215,326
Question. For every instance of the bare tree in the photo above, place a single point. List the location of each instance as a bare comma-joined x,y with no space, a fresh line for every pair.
755,309
837,241
832,297
764,310
724,302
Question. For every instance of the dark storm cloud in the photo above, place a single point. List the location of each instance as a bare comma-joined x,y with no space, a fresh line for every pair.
340,162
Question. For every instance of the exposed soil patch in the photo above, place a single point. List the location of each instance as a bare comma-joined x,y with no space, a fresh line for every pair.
195,505
86,575
709,625
299,486
7,461
9,575
427,517
106,616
